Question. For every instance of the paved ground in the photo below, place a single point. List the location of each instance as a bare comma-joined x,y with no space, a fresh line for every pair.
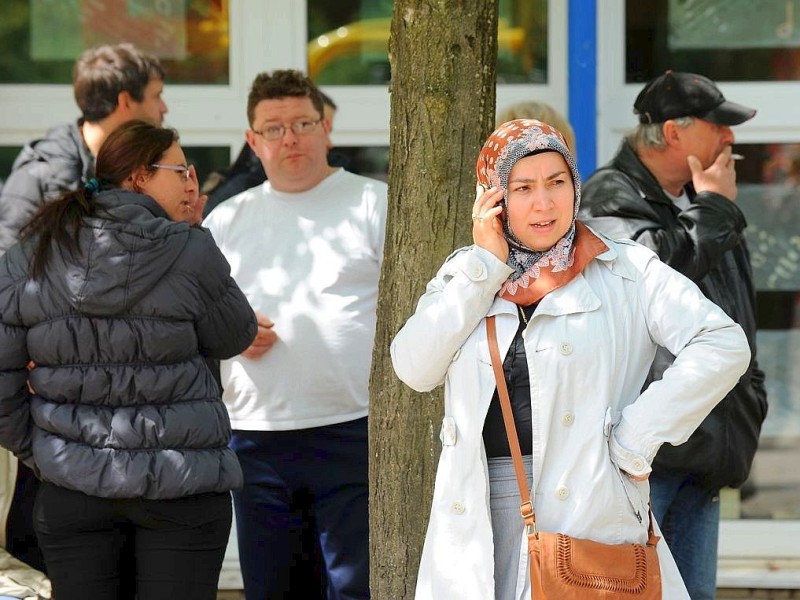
757,594
721,595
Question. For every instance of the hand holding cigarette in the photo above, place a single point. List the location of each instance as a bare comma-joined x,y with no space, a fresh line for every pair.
719,177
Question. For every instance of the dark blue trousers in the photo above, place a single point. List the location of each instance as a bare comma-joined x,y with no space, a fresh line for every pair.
321,472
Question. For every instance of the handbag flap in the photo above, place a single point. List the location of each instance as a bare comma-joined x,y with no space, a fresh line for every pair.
578,567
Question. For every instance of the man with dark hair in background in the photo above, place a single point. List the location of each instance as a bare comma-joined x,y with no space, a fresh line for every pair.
247,171
112,85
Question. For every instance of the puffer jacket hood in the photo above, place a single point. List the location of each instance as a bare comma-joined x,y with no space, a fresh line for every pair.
123,234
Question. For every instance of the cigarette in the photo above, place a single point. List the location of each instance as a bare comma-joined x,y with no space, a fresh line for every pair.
737,156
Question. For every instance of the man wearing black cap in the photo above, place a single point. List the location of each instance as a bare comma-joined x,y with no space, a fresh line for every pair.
672,186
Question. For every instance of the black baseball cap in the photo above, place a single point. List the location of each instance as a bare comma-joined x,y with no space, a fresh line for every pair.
674,95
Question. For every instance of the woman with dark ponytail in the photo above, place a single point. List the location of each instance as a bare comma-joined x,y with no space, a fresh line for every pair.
127,161
110,307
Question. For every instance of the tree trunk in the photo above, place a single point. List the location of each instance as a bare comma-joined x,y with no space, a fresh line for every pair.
443,56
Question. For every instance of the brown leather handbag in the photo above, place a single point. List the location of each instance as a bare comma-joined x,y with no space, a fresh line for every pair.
567,568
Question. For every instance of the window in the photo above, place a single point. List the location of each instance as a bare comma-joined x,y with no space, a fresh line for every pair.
206,158
726,41
737,40
42,38
348,41
7,156
769,195
369,161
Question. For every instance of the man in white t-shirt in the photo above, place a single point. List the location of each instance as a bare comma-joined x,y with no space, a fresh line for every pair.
306,247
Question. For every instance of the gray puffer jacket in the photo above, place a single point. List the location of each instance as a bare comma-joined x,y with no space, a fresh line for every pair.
124,405
44,169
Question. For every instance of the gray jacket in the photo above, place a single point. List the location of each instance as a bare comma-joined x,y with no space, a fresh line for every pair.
44,169
123,405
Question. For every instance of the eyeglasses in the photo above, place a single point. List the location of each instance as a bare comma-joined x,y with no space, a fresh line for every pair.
276,132
182,170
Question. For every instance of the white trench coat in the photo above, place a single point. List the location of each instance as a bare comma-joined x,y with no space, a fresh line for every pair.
589,347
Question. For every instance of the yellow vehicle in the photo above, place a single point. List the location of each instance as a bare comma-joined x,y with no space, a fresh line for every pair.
361,51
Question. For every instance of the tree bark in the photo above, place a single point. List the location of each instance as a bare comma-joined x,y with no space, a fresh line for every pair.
443,56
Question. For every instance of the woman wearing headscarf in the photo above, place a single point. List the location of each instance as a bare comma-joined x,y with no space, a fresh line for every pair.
579,318
110,307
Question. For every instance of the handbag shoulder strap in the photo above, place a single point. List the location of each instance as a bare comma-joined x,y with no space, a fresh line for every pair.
526,508
652,538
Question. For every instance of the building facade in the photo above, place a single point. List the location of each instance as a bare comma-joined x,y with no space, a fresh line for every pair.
587,58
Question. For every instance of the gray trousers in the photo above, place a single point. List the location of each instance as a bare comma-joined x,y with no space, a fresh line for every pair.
507,524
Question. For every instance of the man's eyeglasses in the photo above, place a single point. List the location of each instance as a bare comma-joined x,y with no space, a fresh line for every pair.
276,132
182,170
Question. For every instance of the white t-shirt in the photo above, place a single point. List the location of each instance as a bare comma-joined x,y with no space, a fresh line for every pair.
311,262
682,201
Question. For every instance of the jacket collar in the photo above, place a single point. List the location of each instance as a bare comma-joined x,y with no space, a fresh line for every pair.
646,185
63,148
577,296
86,157
117,197
609,258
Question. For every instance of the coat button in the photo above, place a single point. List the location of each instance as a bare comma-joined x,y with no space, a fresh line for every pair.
567,418
458,508
562,492
566,348
476,271
638,464
448,431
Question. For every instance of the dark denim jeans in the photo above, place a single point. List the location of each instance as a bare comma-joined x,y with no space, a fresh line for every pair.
325,468
689,519
107,549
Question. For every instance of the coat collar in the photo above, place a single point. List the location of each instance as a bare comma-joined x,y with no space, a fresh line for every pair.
577,296
628,162
530,289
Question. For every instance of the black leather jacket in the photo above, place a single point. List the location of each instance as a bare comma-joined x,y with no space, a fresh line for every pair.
705,243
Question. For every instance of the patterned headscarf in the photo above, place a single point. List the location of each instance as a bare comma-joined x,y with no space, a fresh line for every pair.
510,142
